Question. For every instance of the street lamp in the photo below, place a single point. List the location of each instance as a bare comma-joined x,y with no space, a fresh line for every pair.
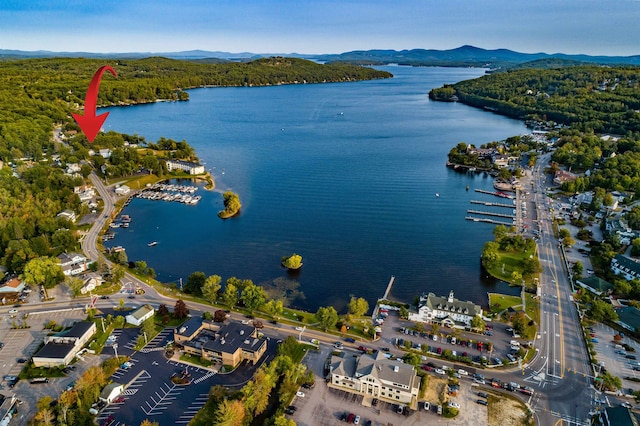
115,349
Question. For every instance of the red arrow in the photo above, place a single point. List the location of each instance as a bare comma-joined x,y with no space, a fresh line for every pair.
90,123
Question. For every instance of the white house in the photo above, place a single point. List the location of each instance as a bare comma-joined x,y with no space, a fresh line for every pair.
105,153
73,263
122,190
191,168
67,214
449,312
625,266
91,281
139,316
111,392
375,376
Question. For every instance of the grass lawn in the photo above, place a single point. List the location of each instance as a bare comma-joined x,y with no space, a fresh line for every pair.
500,302
195,360
508,263
137,182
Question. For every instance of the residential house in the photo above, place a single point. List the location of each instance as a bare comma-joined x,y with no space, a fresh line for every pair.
563,176
67,214
228,344
12,285
447,311
186,166
140,315
72,168
375,376
73,263
625,266
60,349
91,281
482,153
105,153
85,192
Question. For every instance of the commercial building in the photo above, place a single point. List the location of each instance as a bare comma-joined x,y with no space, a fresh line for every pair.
186,166
140,315
375,376
228,344
60,349
447,311
73,263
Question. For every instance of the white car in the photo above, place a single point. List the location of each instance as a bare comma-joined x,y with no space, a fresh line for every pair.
13,311
440,371
300,394
427,406
298,328
454,405
463,372
356,421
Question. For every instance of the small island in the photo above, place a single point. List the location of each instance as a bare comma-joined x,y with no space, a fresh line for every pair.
293,262
231,205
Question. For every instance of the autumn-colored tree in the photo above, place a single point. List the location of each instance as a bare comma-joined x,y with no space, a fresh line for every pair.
219,315
230,413
180,310
147,422
358,306
163,310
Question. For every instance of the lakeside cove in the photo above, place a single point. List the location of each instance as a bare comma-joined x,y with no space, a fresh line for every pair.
337,172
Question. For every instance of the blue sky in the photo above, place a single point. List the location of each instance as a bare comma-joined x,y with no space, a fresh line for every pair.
599,27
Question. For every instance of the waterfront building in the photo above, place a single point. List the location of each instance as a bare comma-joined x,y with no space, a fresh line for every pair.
375,376
90,282
186,166
447,311
228,344
625,266
122,190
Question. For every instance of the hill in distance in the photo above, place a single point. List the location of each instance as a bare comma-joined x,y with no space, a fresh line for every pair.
469,56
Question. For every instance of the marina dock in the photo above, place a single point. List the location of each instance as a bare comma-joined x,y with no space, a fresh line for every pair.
508,216
487,220
489,203
496,193
388,290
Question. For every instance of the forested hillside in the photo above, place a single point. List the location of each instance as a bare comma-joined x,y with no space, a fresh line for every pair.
588,98
38,94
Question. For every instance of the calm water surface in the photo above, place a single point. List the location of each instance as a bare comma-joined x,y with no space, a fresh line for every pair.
344,174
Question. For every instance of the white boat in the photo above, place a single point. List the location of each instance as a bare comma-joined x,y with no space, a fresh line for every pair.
153,243
437,195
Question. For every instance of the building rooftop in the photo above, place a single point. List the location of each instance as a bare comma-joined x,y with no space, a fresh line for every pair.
55,350
79,329
190,327
141,311
450,304
232,337
628,263
596,283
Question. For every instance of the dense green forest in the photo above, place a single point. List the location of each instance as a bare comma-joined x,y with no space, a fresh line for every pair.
587,98
37,95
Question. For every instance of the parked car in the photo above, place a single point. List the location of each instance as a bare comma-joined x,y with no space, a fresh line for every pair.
440,371
300,394
356,421
482,401
427,406
350,340
453,404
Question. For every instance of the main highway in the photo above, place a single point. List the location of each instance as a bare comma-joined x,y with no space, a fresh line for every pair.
560,371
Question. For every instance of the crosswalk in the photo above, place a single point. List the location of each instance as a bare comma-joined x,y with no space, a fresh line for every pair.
205,377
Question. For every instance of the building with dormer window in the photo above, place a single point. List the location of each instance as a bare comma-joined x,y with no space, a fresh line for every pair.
447,311
375,376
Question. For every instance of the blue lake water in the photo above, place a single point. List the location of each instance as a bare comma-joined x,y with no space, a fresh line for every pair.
344,174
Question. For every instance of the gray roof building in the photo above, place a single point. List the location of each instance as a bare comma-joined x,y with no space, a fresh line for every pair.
375,376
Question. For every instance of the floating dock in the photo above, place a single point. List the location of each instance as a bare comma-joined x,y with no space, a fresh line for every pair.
508,216
489,203
496,193
487,220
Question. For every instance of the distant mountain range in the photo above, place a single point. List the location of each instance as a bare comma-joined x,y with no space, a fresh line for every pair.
462,56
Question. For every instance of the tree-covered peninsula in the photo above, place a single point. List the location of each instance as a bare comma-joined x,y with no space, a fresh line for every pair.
232,205
587,98
41,175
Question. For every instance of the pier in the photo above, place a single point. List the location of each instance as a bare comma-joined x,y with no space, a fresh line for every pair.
497,193
508,216
487,220
388,290
489,203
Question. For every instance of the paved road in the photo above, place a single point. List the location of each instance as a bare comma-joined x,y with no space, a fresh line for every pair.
559,373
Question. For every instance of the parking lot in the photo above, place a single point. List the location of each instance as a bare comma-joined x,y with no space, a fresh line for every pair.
325,406
617,364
